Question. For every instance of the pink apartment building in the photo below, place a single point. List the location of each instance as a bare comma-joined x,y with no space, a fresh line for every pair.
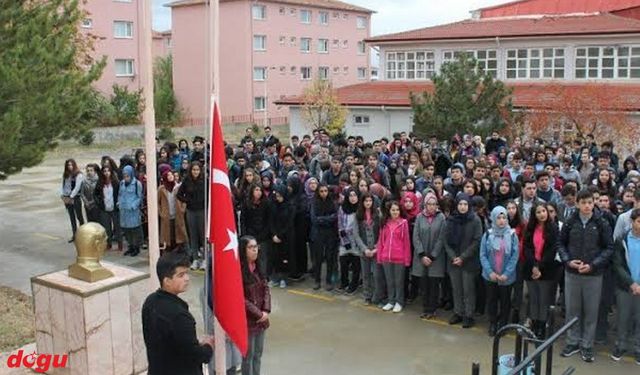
118,24
268,50
161,44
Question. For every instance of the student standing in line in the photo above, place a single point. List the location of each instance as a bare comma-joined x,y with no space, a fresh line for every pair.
106,198
540,268
282,235
499,258
72,179
368,228
462,236
394,253
349,252
129,203
586,247
324,236
626,266
429,261
192,192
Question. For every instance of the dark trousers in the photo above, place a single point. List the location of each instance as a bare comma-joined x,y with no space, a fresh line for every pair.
75,212
430,293
518,289
111,222
446,294
498,302
93,214
195,223
279,259
324,251
481,294
349,262
607,299
299,249
133,237
251,363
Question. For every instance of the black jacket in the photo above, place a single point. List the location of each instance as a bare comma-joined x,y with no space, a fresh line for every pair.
255,220
621,265
591,243
170,336
98,194
192,192
548,266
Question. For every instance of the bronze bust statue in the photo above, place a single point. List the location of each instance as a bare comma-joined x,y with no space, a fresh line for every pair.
90,242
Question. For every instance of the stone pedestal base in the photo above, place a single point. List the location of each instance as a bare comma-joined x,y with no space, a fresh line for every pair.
99,325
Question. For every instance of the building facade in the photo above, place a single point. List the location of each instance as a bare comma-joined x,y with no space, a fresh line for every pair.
268,50
117,24
528,44
162,44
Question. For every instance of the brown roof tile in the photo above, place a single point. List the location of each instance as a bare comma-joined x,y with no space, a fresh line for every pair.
327,4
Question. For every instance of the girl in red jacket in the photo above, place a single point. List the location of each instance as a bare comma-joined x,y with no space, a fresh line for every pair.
394,254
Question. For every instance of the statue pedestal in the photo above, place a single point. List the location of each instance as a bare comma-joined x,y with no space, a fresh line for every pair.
99,325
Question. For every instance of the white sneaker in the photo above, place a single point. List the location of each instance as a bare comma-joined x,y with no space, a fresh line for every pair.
397,308
387,307
202,266
283,284
195,264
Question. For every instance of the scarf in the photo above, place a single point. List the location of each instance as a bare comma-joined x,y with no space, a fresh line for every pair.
347,207
411,214
497,239
169,185
307,189
430,217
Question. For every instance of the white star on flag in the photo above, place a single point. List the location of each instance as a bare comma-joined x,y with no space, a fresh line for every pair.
233,243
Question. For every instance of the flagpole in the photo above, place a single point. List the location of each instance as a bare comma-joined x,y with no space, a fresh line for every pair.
150,142
214,71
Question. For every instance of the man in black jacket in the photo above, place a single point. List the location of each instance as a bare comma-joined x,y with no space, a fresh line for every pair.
167,325
586,247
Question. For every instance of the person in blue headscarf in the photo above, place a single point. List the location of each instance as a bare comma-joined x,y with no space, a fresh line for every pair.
129,202
499,258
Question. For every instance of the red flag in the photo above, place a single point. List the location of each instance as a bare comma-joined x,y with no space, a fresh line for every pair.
227,278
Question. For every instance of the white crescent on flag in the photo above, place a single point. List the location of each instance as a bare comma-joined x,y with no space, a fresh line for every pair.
219,177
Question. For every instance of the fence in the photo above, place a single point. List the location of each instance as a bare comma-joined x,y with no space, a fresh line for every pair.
248,119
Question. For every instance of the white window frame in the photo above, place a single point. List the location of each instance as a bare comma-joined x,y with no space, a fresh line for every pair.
536,63
259,42
260,73
306,16
325,15
323,72
305,45
361,22
306,73
323,45
483,58
362,47
259,12
259,103
361,120
620,58
129,67
413,65
362,73
128,29
87,23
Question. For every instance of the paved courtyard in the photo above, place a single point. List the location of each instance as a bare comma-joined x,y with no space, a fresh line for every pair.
311,333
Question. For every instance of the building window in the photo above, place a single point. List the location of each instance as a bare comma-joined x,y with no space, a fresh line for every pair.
283,69
535,63
361,22
608,62
292,11
323,72
122,29
305,72
283,11
362,47
305,16
260,103
259,12
361,120
87,23
345,69
124,68
260,73
362,73
345,16
336,43
410,65
292,41
345,43
282,39
487,60
323,45
323,18
259,42
336,70
293,70
336,14
305,45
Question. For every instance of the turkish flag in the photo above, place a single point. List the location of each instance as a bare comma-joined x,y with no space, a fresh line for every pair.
228,294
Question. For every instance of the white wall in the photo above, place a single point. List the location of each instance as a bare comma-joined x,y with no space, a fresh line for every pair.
383,122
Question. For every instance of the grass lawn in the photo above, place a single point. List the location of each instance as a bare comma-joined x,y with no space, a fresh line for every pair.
16,319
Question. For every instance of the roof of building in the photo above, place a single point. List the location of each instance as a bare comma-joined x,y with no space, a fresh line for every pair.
525,95
327,4
160,34
523,7
598,24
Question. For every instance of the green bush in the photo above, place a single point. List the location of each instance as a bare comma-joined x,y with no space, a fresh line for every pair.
167,109
166,134
127,105
87,138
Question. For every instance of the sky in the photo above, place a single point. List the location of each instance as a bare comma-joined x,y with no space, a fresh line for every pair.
391,15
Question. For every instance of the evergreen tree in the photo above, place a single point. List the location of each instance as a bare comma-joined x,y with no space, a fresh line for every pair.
46,74
465,100
168,110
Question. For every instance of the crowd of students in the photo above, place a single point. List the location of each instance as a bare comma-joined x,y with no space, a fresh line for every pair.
468,225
